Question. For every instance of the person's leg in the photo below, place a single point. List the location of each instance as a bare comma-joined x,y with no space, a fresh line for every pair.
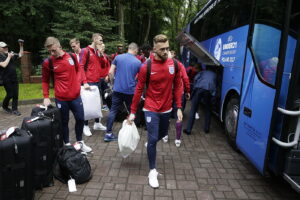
207,101
178,126
103,86
152,123
153,128
194,107
164,120
9,94
64,111
116,103
127,98
77,109
15,95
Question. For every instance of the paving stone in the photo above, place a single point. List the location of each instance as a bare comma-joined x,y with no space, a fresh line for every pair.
91,192
204,167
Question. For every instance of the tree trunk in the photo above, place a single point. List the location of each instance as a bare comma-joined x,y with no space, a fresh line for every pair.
121,19
148,28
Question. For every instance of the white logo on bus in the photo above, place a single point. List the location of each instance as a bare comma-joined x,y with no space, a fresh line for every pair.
218,49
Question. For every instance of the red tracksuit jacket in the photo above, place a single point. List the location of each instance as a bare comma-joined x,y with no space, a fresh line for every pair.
66,77
93,72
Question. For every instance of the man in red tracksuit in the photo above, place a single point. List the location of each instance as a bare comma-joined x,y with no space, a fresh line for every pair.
164,85
93,73
66,72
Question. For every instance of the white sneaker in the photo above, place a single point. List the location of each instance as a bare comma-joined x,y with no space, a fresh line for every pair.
68,144
87,131
84,147
165,139
177,143
99,126
197,116
153,182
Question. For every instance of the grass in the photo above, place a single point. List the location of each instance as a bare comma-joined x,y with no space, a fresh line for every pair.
27,91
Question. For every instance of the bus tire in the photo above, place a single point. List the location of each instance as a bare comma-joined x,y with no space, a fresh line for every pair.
230,121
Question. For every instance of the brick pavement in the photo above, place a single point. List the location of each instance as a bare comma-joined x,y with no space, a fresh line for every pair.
204,167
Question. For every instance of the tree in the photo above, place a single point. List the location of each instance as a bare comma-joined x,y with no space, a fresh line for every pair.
77,18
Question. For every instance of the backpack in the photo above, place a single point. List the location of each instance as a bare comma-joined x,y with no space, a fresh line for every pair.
87,60
71,163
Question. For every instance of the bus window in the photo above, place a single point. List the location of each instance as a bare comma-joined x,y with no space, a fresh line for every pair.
267,33
216,19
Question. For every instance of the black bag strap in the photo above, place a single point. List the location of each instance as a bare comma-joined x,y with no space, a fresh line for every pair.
148,73
87,60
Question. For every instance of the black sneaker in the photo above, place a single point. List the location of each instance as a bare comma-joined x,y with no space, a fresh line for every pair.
16,112
7,110
186,132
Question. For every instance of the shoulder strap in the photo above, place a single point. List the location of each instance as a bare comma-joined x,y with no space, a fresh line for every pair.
148,72
50,64
87,60
51,70
175,64
74,60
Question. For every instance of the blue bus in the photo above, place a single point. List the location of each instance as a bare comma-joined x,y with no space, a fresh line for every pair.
255,48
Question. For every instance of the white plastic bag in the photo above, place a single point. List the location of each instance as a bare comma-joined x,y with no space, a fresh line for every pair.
91,102
128,138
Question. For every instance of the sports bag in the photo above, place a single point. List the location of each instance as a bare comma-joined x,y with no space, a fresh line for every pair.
71,163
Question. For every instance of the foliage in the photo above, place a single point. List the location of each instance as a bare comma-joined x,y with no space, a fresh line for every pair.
28,91
35,20
36,70
81,19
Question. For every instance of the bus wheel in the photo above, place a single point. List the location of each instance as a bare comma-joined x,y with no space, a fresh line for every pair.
230,122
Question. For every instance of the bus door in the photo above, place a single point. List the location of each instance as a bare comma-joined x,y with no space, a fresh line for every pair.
267,65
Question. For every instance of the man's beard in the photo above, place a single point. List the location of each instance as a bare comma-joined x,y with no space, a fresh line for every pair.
163,58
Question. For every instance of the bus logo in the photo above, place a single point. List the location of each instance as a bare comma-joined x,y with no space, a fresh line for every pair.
218,49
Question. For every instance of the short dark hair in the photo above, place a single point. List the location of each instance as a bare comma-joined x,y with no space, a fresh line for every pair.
160,38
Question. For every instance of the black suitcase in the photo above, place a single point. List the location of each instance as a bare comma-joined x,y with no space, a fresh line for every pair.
16,182
54,114
41,130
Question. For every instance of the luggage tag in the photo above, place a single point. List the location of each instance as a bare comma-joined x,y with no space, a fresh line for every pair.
10,131
72,185
32,120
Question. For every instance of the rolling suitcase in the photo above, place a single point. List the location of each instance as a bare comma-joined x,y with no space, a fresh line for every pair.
54,114
16,182
41,130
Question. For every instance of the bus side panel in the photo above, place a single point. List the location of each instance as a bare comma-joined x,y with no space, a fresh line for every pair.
253,128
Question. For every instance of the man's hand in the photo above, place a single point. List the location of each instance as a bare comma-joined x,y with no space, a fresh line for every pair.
187,96
106,79
131,118
179,114
86,86
47,101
